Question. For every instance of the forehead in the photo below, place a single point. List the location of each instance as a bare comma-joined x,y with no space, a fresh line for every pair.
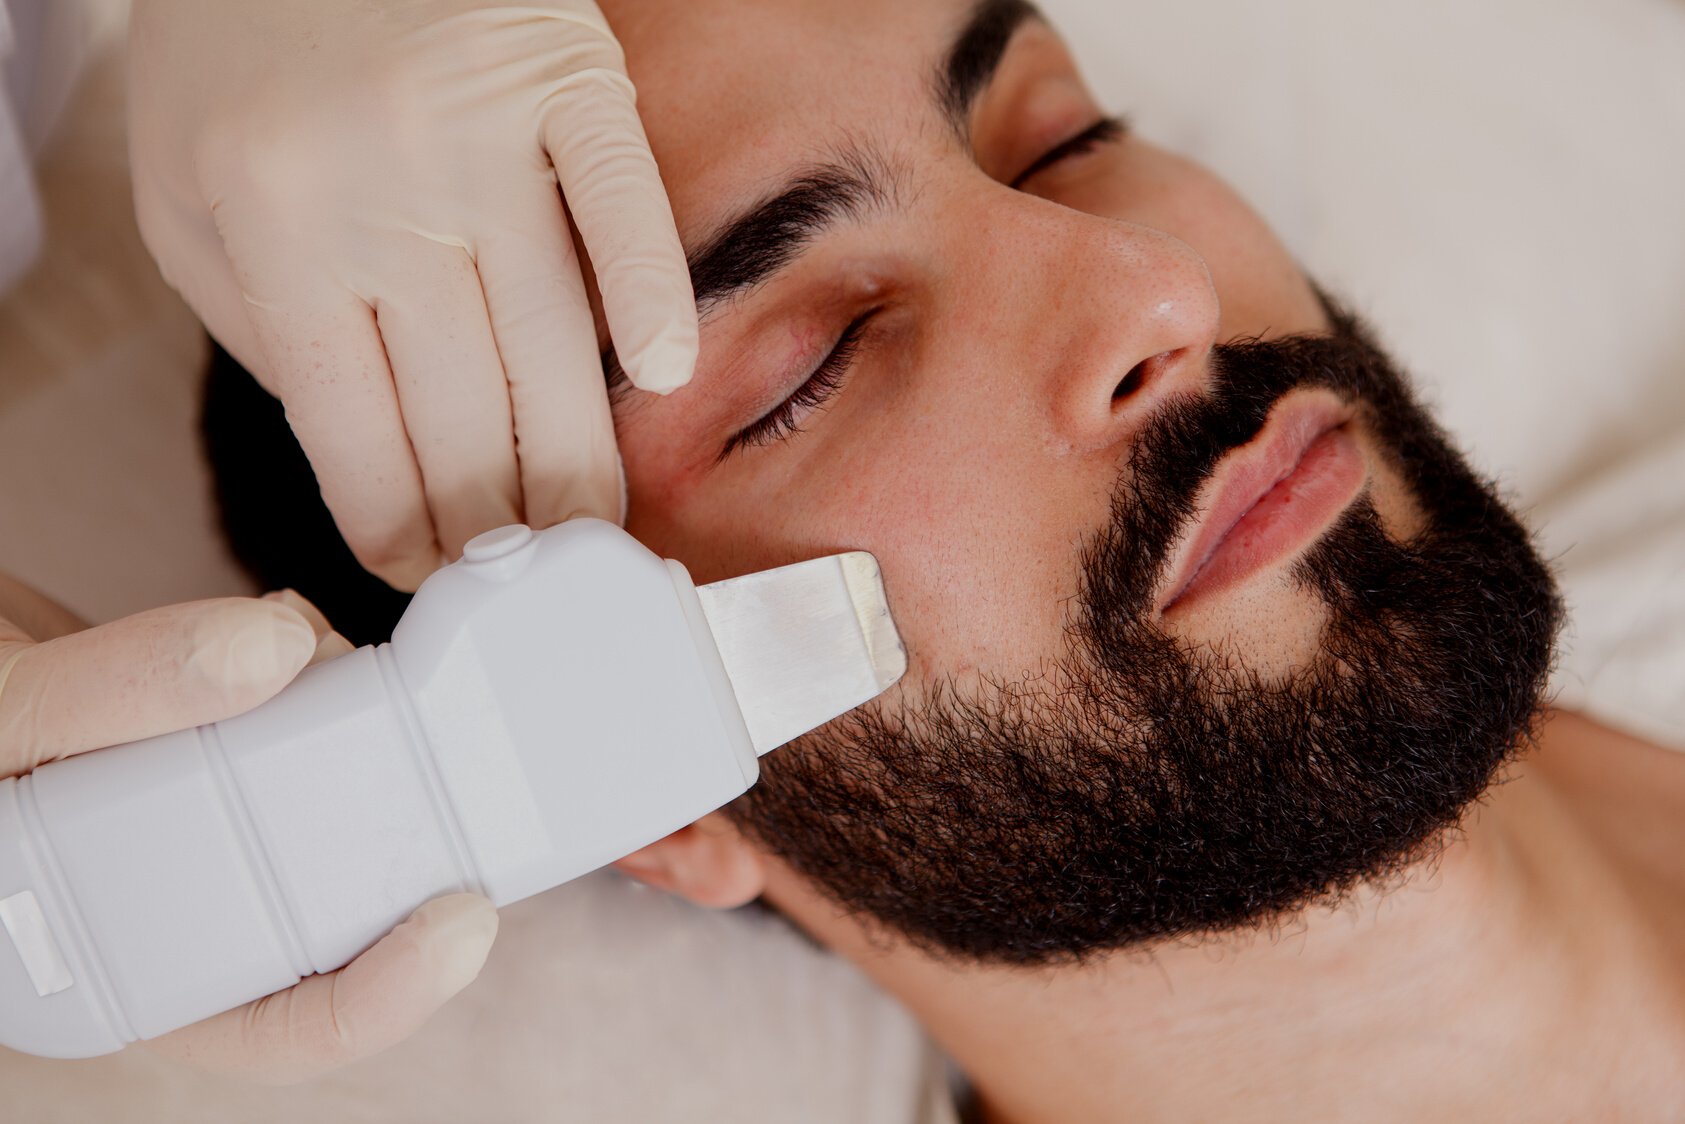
735,92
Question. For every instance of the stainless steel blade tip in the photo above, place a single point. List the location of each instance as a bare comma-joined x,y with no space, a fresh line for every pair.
804,643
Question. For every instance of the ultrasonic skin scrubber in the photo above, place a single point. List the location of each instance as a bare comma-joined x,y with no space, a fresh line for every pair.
548,704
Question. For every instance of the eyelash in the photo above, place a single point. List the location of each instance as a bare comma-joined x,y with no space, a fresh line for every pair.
1107,130
828,377
812,394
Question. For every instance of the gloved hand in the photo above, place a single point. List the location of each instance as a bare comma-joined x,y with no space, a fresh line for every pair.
185,665
360,201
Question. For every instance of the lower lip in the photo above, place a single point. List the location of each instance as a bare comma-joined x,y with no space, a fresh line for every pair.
1298,509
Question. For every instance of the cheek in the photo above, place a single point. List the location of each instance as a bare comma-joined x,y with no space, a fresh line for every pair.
978,538
978,546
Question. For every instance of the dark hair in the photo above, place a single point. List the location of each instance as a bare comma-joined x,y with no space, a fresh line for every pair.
272,512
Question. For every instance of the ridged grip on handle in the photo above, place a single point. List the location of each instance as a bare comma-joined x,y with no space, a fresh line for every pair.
548,704
187,874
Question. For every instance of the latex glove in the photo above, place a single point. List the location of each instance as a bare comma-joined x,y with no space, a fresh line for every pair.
360,201
185,665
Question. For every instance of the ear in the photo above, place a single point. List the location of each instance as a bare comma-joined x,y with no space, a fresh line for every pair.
709,863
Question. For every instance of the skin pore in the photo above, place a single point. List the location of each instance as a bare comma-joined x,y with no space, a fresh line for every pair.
993,300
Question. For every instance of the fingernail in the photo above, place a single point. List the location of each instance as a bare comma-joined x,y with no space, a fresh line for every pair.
295,601
664,365
460,930
331,646
265,646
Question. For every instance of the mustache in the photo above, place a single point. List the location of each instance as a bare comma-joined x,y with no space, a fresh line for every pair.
1180,447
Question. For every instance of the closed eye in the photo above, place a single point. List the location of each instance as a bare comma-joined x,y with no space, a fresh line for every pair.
1107,130
827,379
812,394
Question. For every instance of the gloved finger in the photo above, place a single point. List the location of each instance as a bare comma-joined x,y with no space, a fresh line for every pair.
329,644
328,365
454,396
564,431
376,1001
194,263
614,192
161,670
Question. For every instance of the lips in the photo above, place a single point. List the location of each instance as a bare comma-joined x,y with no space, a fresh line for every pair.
1268,498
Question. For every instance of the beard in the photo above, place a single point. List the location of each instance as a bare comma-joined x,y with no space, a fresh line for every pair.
1148,789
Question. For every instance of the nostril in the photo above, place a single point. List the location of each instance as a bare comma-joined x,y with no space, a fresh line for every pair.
1135,379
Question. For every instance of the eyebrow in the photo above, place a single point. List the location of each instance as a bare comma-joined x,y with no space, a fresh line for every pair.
768,236
749,249
975,56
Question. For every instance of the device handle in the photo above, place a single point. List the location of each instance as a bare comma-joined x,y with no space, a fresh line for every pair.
498,746
183,875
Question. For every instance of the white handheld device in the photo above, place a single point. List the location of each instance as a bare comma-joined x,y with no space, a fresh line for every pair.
548,704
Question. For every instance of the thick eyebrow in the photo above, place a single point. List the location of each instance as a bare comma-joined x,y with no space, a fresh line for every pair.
749,249
971,62
752,247
765,238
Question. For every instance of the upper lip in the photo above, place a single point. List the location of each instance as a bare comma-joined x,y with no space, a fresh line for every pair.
1246,476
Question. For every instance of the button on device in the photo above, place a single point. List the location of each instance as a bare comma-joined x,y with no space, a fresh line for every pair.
500,555
496,543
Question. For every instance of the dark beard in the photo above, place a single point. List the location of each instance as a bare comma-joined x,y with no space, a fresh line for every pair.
1149,790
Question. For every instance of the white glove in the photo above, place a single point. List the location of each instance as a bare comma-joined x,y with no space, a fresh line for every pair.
185,665
360,201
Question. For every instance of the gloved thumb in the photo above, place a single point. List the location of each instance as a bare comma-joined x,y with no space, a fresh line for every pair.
374,1002
157,671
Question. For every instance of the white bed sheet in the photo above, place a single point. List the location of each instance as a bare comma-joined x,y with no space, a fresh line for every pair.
1495,184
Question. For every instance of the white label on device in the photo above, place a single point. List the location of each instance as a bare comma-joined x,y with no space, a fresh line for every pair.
27,926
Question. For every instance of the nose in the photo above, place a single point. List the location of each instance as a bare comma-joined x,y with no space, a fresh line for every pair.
1134,316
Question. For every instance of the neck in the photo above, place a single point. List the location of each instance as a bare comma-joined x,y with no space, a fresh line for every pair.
1468,985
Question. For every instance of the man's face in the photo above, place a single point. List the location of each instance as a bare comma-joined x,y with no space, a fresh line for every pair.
978,432
953,317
